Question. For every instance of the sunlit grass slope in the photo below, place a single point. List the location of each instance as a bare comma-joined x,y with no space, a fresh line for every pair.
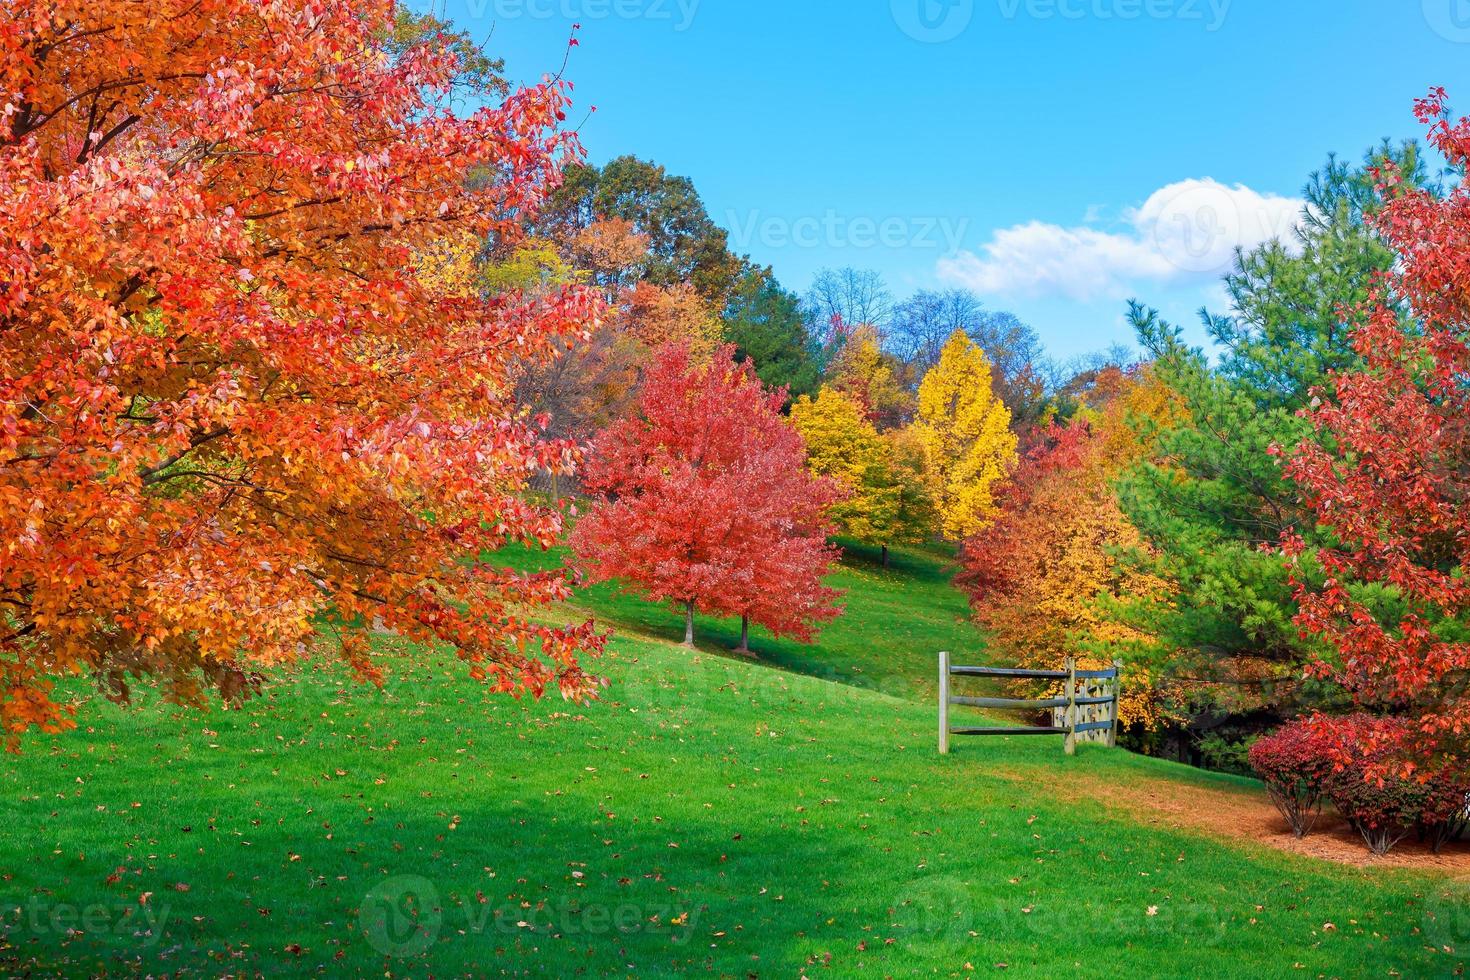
712,817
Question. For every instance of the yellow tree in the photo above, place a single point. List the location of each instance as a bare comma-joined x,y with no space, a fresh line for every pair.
884,504
916,512
966,434
864,373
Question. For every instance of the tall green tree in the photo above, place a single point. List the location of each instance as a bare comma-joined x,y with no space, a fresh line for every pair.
684,244
1213,501
766,325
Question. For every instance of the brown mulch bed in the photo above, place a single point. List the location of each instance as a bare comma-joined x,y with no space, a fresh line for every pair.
1250,816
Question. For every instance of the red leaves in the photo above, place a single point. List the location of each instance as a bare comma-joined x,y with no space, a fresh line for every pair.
705,498
1295,765
1388,479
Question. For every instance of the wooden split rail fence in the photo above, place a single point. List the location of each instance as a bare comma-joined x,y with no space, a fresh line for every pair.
1086,711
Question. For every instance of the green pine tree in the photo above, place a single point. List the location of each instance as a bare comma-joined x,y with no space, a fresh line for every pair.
1212,501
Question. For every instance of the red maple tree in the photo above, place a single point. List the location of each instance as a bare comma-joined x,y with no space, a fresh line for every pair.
1388,478
241,394
703,499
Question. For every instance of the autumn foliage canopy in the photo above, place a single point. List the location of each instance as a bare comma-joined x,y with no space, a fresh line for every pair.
1041,577
965,430
237,390
884,498
703,499
1387,480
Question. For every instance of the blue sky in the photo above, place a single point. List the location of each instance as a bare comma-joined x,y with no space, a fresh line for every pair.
1058,156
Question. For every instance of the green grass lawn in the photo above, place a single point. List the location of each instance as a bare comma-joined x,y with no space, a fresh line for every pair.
894,621
712,816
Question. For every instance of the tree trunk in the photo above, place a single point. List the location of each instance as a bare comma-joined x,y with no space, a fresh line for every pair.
744,646
885,556
689,624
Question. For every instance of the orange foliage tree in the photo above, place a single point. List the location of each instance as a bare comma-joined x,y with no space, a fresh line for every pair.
237,403
656,316
1041,577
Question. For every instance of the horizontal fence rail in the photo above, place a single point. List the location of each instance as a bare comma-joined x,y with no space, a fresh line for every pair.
1079,711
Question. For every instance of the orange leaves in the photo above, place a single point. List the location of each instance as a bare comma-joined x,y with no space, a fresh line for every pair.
656,316
235,395
1041,576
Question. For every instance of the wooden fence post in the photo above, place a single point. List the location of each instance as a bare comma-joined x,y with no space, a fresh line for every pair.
1069,719
944,703
1117,696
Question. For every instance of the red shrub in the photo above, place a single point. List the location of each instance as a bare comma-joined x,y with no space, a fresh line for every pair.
1295,765
1447,815
1361,764
1384,812
1381,793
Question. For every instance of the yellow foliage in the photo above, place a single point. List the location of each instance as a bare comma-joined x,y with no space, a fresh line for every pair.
966,434
863,373
916,513
455,266
535,265
655,316
449,265
884,504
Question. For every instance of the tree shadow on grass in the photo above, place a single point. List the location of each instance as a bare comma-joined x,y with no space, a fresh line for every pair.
724,820
294,873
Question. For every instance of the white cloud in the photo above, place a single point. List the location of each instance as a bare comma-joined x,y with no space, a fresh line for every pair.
1186,232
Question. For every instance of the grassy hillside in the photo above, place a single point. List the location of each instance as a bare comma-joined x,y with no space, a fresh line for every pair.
713,816
895,620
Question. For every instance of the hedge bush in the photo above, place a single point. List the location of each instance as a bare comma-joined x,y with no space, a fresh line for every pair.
1447,815
1295,766
1359,763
